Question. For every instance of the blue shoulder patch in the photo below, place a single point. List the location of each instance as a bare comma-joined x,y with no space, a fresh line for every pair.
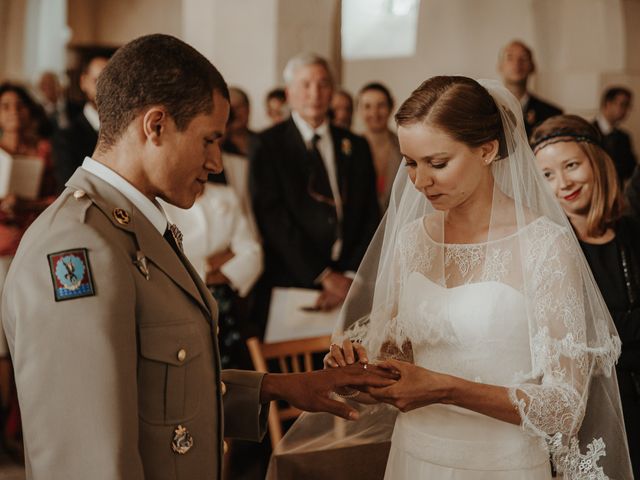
71,274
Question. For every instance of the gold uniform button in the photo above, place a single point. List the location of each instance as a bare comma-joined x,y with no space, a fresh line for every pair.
182,354
225,447
223,388
121,216
78,194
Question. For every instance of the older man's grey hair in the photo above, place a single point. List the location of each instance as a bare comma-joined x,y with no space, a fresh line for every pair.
303,60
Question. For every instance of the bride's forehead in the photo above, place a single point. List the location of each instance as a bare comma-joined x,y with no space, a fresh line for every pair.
424,138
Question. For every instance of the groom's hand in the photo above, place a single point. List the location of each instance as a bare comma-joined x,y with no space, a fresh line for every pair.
311,391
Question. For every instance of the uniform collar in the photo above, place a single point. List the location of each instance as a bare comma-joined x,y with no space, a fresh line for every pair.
306,130
151,210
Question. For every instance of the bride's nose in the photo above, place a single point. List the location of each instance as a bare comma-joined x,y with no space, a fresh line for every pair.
424,177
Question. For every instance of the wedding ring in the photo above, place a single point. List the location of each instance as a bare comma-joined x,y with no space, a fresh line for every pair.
352,394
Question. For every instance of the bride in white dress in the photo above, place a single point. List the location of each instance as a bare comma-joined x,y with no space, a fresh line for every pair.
476,293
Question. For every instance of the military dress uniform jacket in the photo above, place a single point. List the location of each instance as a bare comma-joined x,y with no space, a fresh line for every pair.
120,379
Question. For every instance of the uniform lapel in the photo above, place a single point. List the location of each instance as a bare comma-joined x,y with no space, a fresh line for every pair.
175,266
150,242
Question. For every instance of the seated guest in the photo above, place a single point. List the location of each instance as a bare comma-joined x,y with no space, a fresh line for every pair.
238,137
313,190
72,144
223,248
341,110
582,176
515,65
374,105
18,136
614,107
276,105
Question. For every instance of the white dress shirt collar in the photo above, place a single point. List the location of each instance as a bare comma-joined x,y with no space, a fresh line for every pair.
605,127
91,114
524,100
151,210
307,131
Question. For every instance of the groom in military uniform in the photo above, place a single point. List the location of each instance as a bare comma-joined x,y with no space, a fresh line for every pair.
112,333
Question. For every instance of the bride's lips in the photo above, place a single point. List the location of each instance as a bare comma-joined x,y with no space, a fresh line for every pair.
573,196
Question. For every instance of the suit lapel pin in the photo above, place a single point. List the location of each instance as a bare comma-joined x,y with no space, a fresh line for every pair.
141,263
346,147
182,440
121,216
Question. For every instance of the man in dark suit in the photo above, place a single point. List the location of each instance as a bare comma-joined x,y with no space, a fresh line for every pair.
313,191
71,145
614,108
515,65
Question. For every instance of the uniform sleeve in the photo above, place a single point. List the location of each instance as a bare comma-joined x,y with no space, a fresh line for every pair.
244,416
75,361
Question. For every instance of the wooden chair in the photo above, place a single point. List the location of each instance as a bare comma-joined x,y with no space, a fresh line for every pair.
293,356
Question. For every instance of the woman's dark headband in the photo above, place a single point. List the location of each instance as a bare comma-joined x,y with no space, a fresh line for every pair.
563,136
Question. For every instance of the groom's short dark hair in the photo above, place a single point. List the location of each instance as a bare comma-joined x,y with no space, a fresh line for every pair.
155,70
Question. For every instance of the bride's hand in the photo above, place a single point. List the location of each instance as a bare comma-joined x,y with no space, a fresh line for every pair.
341,356
417,386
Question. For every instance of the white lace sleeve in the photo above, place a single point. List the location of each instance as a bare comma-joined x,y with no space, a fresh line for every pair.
553,400
559,354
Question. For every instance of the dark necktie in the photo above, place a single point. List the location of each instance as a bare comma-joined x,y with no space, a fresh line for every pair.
173,235
319,185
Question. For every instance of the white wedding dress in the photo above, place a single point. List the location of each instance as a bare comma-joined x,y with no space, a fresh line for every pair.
478,331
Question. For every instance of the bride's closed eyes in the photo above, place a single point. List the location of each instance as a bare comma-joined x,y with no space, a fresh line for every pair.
437,163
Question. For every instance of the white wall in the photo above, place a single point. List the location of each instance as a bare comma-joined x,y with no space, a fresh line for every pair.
580,46
12,20
240,39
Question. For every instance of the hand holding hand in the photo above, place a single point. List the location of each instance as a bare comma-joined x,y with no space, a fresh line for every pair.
311,391
417,386
345,354
348,354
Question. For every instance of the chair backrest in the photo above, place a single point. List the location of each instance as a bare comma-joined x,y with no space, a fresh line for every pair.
293,356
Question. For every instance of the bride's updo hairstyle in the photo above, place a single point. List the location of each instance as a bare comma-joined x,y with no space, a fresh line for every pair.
459,106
